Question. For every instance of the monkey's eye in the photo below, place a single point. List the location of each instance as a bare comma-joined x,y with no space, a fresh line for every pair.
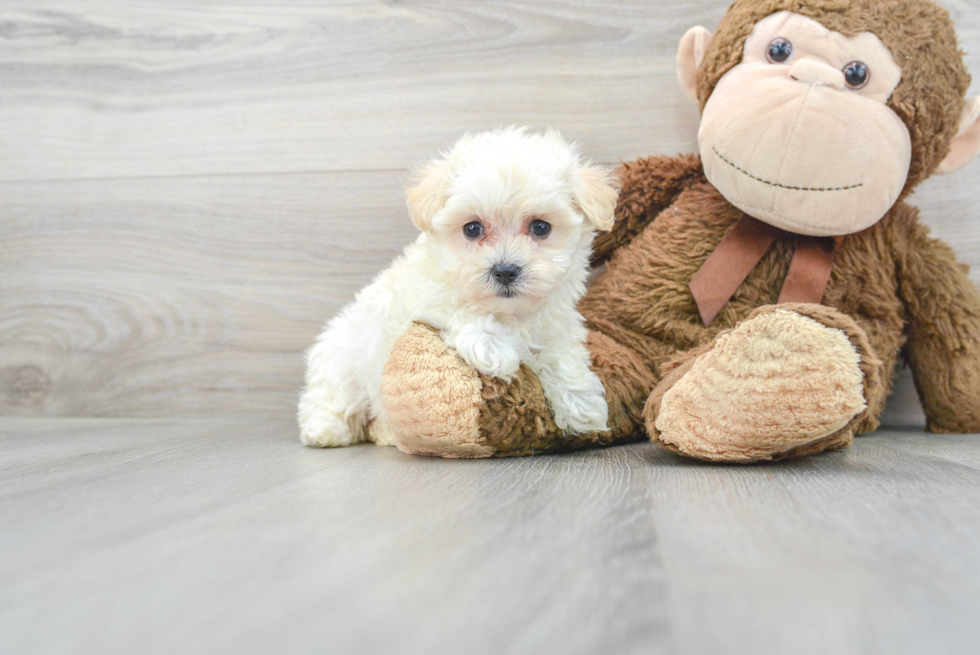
779,51
856,74
473,230
540,228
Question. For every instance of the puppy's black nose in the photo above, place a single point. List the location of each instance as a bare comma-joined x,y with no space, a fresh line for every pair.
506,274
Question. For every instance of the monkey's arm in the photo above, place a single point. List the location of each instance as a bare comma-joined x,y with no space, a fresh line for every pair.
648,187
943,346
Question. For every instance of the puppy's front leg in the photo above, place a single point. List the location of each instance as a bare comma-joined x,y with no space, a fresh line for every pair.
574,391
487,345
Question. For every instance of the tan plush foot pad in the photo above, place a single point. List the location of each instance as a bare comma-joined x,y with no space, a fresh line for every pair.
437,405
432,398
788,381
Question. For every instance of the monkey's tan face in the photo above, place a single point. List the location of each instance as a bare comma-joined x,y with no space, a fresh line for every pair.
798,134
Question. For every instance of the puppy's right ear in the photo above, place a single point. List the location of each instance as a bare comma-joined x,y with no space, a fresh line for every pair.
428,194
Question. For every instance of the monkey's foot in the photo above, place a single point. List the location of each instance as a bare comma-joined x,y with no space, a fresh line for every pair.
791,380
437,405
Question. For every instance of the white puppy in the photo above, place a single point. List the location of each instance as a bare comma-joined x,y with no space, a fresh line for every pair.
507,220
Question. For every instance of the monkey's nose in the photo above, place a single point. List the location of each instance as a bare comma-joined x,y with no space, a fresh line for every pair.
813,72
506,274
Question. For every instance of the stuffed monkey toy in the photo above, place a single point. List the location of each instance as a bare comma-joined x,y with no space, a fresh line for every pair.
757,298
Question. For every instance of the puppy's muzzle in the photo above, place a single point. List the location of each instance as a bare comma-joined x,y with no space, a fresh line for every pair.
506,275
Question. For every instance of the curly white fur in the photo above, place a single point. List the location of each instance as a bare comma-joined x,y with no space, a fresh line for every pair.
503,179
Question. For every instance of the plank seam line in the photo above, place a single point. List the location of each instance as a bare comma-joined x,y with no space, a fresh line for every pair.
179,176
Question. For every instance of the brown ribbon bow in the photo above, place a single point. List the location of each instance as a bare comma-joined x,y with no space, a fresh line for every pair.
745,244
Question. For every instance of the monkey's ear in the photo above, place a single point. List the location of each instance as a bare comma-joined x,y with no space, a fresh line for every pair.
691,51
427,195
966,143
596,192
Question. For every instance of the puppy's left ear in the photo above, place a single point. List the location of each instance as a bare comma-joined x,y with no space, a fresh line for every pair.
596,192
427,195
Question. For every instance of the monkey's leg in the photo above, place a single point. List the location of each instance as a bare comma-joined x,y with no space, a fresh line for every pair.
790,380
437,405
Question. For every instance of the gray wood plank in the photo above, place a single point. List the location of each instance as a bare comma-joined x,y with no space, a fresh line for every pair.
872,550
177,297
109,89
119,89
121,536
231,537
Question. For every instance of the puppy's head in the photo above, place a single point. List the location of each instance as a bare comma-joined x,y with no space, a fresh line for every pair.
510,216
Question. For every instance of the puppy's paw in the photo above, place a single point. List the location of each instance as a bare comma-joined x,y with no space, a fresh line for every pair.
581,410
489,347
322,429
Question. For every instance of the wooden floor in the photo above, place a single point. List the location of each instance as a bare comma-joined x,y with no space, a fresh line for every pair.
154,536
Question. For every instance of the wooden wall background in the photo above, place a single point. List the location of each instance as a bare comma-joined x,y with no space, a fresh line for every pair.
188,189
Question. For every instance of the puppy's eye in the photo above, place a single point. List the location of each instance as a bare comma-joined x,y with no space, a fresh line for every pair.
473,230
540,228
857,75
779,51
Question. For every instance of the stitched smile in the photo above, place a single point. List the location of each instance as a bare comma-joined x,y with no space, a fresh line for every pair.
784,186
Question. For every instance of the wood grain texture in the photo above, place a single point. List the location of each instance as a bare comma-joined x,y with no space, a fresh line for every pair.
181,296
123,536
179,88
188,190
153,88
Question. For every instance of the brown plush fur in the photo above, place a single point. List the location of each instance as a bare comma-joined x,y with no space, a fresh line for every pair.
893,291
516,419
900,287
